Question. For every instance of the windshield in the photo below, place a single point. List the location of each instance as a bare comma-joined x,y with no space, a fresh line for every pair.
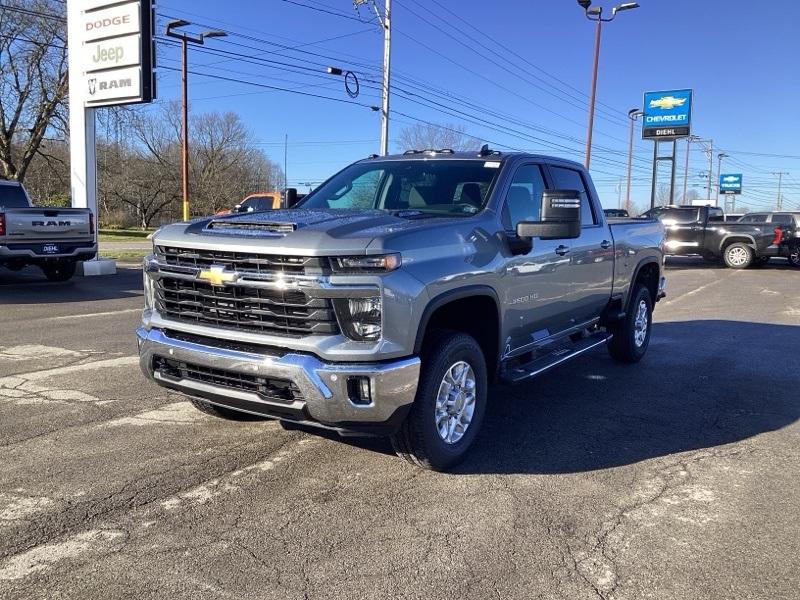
437,187
12,196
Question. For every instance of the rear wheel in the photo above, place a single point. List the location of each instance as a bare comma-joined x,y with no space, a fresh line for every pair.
223,413
794,256
62,270
450,403
632,334
739,256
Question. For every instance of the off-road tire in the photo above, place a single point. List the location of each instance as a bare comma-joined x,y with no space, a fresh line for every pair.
738,256
62,270
623,346
418,440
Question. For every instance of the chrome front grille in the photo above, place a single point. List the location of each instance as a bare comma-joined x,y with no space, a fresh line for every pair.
242,305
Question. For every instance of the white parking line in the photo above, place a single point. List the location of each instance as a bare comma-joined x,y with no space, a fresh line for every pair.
47,373
97,314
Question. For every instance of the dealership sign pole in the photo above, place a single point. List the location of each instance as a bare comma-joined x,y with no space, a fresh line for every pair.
111,59
667,117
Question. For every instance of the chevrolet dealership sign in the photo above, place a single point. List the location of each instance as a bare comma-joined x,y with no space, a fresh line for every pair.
667,115
730,183
116,55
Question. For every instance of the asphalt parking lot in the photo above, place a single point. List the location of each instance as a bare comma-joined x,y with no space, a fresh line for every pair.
676,478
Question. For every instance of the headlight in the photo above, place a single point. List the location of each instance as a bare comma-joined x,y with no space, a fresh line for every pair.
382,263
360,318
149,291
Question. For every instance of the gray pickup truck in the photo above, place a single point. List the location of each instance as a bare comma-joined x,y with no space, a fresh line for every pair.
53,239
394,294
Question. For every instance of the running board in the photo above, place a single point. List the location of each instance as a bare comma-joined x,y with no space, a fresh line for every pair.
553,358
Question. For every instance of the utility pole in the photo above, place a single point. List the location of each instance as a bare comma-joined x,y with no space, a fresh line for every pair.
185,39
720,156
385,21
387,49
689,140
633,114
285,161
710,151
779,203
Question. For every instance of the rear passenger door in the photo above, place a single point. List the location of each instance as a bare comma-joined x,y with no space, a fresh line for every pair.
536,284
592,256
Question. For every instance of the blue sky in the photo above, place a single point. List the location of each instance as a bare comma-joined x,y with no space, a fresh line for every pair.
740,61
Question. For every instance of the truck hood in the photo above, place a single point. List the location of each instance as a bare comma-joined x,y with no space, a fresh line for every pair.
310,232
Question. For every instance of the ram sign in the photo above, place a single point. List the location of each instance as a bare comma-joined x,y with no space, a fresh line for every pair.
730,183
667,115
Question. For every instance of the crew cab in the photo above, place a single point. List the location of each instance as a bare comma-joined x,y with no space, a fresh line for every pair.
391,297
703,231
53,239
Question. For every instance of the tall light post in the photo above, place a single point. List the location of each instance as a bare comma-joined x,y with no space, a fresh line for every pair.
720,156
633,114
185,39
595,13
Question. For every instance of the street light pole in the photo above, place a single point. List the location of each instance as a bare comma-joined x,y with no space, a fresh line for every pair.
185,39
633,114
596,14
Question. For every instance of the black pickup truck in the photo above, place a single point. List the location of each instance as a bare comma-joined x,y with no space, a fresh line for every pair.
703,231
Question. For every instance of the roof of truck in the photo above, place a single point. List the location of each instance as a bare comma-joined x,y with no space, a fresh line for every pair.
485,155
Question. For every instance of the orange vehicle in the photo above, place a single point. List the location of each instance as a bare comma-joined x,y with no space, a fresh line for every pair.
259,201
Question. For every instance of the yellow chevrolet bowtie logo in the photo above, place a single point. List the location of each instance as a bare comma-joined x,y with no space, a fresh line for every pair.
667,102
218,276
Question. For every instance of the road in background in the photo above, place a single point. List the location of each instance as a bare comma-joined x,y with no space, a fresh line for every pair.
676,478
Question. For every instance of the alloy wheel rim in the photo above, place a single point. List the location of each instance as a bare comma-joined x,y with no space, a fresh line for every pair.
455,402
737,256
641,324
794,257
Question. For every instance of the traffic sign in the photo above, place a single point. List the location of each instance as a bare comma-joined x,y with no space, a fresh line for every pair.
667,115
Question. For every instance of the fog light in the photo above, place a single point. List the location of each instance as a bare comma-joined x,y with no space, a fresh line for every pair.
359,390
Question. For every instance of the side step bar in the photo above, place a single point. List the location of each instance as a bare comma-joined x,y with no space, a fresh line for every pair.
554,358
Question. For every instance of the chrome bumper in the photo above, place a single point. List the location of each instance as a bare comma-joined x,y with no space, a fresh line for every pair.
323,386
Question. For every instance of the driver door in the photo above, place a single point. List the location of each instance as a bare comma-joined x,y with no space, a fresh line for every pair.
537,283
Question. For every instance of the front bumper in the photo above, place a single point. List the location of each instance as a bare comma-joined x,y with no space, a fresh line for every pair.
323,398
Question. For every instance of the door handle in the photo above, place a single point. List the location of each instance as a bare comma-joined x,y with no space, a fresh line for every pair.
605,244
562,250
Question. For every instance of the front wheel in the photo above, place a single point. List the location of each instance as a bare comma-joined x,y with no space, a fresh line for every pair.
449,406
631,336
738,256
62,270
794,256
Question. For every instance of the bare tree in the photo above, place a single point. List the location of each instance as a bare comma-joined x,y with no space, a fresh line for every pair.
424,136
33,80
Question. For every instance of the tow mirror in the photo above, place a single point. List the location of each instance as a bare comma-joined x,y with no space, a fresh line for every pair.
290,197
560,217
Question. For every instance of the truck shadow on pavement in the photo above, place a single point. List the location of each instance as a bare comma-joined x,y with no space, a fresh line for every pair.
702,384
695,263
30,286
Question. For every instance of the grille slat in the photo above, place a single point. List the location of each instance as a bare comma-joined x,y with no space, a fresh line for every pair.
288,313
269,388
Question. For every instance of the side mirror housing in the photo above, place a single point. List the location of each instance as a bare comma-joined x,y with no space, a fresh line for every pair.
560,217
290,197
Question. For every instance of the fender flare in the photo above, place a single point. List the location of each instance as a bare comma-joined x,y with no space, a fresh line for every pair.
650,260
469,291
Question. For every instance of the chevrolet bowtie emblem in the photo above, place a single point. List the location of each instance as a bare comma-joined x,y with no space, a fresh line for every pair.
218,276
667,102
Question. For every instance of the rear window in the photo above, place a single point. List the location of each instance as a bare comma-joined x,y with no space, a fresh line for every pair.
678,215
783,219
12,196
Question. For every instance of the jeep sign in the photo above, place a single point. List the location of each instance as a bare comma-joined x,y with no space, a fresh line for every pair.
108,54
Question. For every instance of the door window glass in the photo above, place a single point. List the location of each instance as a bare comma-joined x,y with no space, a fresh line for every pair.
524,198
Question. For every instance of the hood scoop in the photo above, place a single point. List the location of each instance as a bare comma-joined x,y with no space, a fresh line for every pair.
232,226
